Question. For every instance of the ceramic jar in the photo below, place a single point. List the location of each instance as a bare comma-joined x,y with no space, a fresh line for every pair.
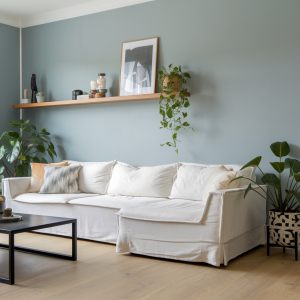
283,227
94,85
101,81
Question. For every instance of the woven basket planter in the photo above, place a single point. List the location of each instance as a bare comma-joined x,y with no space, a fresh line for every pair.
175,85
283,226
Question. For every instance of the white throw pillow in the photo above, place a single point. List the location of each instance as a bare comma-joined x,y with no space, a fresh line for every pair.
142,182
94,176
191,181
219,181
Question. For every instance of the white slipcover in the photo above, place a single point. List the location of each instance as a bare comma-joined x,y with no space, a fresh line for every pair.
213,232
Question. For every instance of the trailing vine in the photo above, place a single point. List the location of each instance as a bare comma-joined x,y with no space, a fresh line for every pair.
172,100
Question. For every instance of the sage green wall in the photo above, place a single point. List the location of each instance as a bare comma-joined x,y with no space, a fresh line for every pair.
243,56
9,75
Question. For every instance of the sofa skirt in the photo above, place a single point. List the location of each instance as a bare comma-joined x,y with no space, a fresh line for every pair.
141,237
93,223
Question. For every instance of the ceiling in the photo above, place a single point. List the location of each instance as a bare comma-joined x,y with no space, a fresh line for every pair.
25,13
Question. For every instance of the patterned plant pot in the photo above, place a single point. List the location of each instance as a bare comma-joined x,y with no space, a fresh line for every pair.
283,226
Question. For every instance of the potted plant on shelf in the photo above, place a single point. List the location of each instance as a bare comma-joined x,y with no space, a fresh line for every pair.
284,219
21,149
40,97
172,100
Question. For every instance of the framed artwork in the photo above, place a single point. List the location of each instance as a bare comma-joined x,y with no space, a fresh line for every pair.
138,67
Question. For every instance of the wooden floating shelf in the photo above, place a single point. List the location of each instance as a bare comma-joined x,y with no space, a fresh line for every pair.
91,101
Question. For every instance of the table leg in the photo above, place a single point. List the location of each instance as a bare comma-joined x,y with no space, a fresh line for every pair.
296,245
268,241
74,240
11,250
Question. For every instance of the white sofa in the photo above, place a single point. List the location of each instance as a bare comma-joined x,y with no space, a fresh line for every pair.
141,211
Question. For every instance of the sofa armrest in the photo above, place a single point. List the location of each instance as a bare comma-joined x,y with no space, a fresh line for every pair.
236,214
11,187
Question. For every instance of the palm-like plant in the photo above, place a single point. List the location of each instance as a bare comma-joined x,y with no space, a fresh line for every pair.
21,149
291,201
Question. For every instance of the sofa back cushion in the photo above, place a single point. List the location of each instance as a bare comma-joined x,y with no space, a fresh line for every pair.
60,180
220,180
192,179
94,177
37,175
142,182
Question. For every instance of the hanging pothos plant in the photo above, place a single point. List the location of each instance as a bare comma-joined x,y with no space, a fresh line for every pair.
172,100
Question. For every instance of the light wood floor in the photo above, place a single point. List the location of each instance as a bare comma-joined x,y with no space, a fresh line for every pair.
100,273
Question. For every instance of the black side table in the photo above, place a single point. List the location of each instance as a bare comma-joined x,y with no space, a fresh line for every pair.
275,245
29,223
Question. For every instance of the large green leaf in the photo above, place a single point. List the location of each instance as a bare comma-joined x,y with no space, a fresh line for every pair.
297,177
14,153
22,170
272,180
13,134
280,149
40,148
2,151
248,189
278,166
296,194
293,164
253,163
5,139
35,159
14,124
169,113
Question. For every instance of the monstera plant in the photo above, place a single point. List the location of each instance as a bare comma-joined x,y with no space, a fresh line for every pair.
285,217
21,147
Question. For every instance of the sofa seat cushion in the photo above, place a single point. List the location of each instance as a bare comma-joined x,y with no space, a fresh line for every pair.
116,202
177,210
49,198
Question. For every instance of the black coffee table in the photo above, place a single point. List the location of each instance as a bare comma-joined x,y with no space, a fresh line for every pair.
29,223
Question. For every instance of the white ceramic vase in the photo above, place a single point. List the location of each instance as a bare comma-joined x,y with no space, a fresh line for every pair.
40,99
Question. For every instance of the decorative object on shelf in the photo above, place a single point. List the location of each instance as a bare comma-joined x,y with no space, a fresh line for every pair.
100,95
93,93
284,219
84,97
25,99
101,81
94,85
138,67
76,93
40,97
20,149
2,206
172,101
34,89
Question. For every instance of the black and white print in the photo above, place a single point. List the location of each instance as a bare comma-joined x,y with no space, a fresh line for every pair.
138,67
283,227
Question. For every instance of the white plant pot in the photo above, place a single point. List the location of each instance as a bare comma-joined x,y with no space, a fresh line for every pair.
40,99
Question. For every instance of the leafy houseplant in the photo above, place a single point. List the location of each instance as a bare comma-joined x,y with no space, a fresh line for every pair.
40,97
172,100
21,149
286,212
